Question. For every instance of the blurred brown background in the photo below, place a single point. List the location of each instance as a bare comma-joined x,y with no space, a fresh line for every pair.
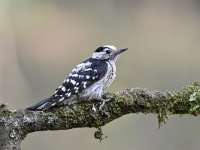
42,40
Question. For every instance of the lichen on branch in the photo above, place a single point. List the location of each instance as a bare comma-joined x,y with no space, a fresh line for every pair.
15,125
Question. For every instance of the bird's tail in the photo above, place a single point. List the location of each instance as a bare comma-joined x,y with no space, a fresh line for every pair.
40,106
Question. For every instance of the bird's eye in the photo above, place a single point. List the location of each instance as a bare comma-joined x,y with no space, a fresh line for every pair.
108,51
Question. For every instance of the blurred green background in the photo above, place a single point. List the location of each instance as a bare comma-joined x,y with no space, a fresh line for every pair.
42,40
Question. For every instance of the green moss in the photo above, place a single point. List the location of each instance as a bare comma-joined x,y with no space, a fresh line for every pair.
6,113
185,102
134,101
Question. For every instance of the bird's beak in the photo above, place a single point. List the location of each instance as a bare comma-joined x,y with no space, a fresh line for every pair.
119,51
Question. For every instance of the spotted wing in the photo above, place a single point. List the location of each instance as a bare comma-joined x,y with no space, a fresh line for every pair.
82,76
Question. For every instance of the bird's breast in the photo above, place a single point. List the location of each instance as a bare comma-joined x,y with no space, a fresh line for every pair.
110,75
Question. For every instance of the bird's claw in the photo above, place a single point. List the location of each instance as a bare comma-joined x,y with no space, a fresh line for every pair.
103,101
94,109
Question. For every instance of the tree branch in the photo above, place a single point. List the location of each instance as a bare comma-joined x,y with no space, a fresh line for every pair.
15,125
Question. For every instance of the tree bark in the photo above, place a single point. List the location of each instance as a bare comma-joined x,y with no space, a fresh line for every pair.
15,125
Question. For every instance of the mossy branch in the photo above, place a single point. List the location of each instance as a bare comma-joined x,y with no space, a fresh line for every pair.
15,125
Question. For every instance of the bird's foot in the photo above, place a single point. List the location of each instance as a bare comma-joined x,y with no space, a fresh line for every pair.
99,109
102,103
108,97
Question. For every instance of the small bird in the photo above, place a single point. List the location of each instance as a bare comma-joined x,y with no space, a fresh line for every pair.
88,81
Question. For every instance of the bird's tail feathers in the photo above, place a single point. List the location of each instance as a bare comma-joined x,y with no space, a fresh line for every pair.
40,106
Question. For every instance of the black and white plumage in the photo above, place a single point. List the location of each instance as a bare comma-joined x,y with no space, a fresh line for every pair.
88,80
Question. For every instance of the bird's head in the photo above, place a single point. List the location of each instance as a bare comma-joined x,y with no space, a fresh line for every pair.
107,52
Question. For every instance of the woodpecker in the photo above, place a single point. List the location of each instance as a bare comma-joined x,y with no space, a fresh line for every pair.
88,81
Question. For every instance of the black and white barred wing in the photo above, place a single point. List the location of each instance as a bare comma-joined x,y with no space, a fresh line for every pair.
82,76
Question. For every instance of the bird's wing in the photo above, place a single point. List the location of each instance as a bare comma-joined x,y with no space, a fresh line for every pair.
81,77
